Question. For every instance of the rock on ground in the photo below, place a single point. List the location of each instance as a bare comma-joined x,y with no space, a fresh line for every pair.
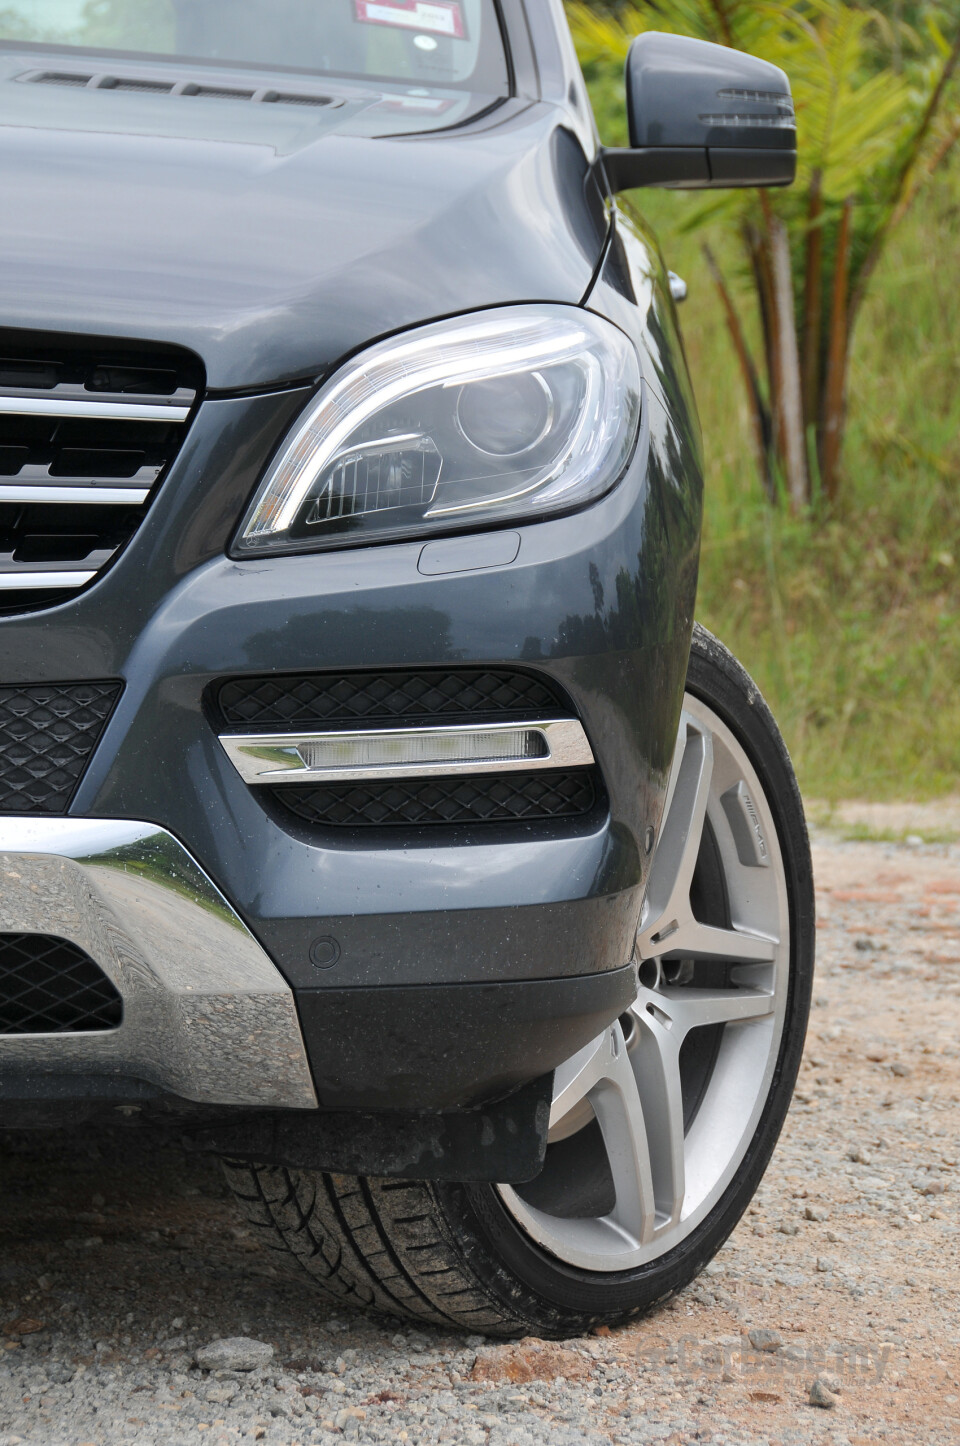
238,1353
821,1394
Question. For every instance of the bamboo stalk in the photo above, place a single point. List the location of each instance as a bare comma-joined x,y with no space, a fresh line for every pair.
813,302
837,355
759,414
790,399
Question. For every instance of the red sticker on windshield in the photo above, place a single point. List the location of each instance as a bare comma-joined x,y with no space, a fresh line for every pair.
430,17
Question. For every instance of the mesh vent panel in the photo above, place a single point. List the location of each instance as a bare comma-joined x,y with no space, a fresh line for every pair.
48,732
311,700
483,798
49,986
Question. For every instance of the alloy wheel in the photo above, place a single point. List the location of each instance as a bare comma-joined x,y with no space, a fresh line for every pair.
651,1120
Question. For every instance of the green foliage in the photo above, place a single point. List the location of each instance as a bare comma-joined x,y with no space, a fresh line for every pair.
111,24
871,133
118,25
849,620
14,26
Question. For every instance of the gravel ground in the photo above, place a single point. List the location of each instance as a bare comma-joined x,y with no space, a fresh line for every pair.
121,1258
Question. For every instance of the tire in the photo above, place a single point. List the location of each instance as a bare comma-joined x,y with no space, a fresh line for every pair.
613,1226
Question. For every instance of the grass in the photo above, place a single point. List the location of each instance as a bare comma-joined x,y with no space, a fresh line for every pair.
850,621
864,833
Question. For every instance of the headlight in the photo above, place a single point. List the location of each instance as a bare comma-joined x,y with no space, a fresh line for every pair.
499,416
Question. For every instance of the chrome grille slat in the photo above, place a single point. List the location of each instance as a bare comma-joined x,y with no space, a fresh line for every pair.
88,429
92,409
38,474
81,392
62,578
82,491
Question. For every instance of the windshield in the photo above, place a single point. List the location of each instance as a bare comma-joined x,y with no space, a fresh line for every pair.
417,42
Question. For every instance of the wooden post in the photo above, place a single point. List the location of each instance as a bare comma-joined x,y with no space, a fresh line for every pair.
790,409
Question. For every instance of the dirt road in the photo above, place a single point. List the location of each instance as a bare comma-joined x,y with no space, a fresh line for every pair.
118,1257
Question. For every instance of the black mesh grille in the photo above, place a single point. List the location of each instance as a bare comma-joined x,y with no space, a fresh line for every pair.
74,487
50,986
482,798
312,700
48,732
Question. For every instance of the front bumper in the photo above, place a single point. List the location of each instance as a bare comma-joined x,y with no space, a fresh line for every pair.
208,1018
206,1015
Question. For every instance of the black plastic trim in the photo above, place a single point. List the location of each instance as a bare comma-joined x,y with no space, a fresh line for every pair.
505,1141
451,1046
698,168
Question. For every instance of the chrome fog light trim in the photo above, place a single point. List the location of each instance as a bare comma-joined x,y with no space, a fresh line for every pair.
339,756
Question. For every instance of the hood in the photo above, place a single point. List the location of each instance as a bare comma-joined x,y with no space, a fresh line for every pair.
272,239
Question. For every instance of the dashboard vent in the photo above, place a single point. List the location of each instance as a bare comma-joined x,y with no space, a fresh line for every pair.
88,430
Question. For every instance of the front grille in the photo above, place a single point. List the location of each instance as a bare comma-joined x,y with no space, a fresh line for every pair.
483,798
327,699
50,986
48,732
88,430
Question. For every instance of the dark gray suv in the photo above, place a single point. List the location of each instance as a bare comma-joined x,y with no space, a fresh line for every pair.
371,808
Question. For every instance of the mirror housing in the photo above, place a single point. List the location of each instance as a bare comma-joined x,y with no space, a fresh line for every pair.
703,116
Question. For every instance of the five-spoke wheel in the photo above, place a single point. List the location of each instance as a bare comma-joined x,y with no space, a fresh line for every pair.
650,1121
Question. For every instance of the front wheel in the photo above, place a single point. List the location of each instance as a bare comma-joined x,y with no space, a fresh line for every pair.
662,1127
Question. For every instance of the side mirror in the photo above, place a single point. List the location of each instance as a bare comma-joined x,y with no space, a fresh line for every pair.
703,115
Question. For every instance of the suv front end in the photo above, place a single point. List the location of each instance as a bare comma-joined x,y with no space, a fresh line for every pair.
350,696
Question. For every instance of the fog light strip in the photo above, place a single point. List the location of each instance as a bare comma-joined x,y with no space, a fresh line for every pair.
408,752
